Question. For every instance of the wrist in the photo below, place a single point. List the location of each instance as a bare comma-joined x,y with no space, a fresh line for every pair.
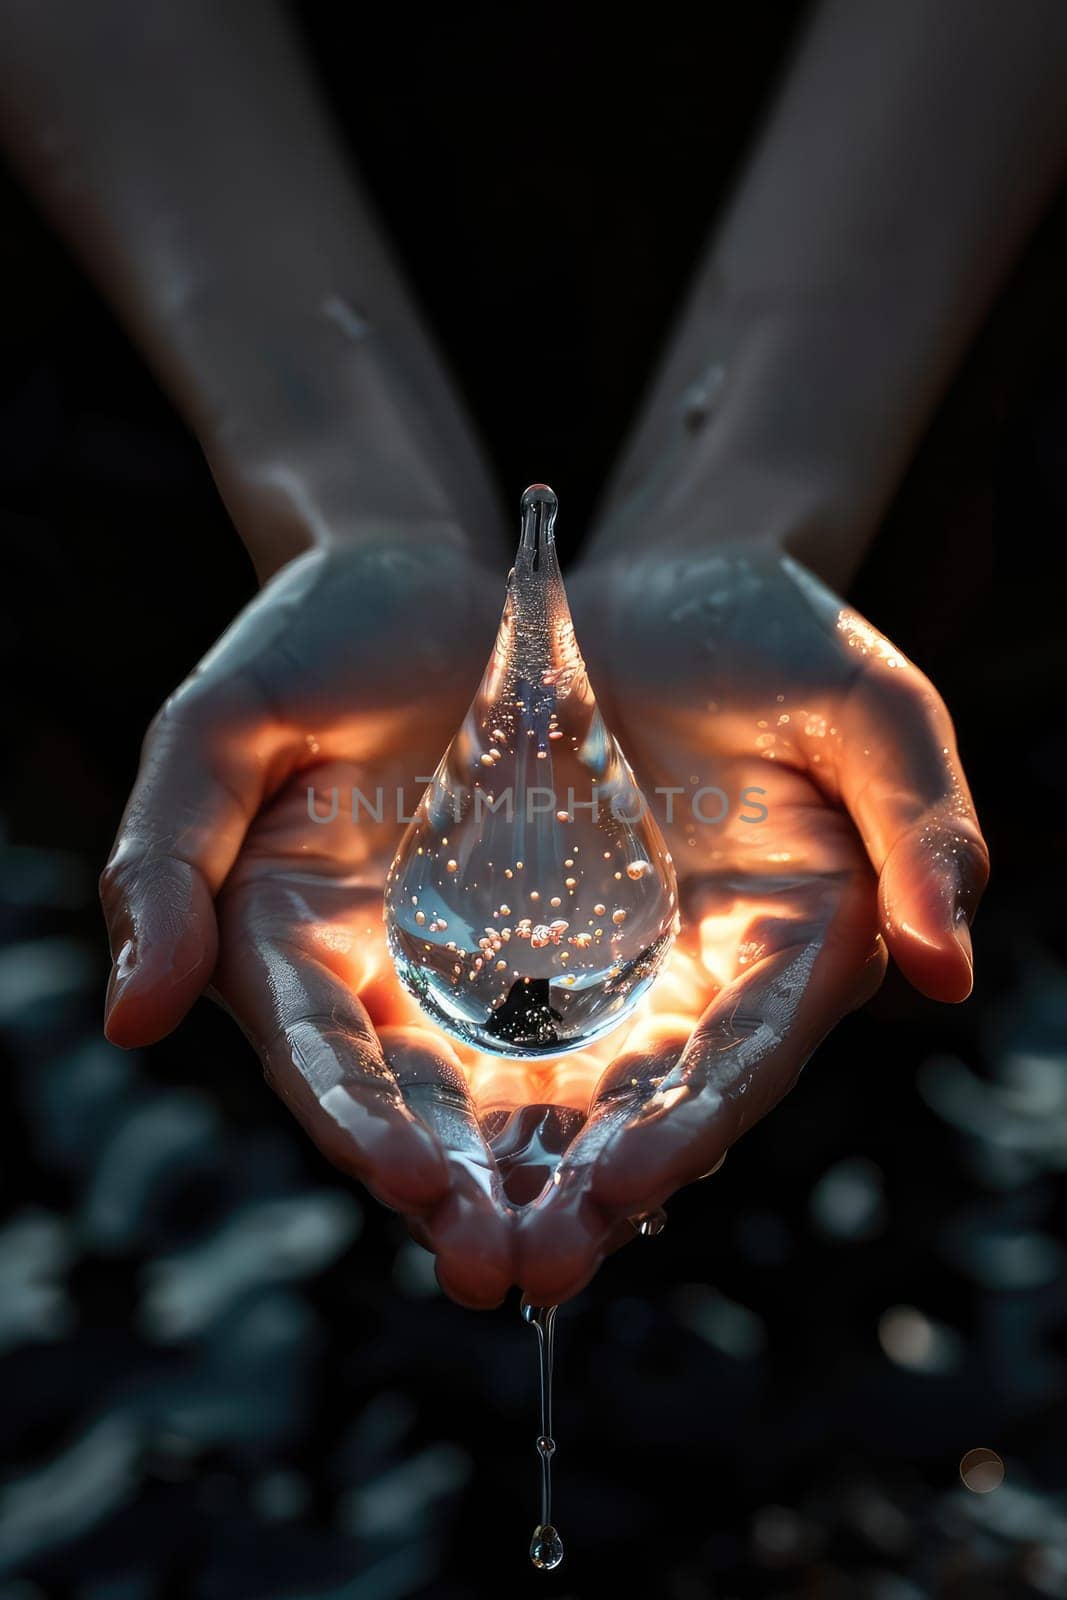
768,506
283,509
318,432
796,434
285,501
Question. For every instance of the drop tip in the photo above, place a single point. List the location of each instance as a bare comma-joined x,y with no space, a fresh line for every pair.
539,494
538,516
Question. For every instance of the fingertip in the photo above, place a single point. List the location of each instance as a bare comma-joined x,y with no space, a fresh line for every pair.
928,936
940,967
125,1023
473,1245
472,1236
142,1007
116,1034
560,1248
471,1285
928,889
163,931
965,944
470,1230
955,976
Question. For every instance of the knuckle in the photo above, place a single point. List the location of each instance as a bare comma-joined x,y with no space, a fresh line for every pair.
904,698
192,707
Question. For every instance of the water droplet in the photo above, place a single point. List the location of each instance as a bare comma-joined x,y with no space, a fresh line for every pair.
546,1548
545,806
650,1223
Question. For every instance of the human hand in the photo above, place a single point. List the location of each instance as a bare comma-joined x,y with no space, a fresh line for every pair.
349,671
780,925
733,670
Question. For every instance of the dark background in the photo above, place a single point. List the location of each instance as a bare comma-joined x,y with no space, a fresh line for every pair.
224,1373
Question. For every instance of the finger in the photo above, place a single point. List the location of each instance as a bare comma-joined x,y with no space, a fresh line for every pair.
321,1055
470,1229
745,1054
901,778
200,782
666,1111
566,1234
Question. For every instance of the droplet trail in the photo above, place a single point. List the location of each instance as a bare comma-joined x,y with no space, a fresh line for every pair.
546,1546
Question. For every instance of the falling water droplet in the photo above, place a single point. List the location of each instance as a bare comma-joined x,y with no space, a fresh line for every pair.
554,818
546,1546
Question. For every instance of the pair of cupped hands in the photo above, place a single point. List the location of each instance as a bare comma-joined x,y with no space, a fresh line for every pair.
718,666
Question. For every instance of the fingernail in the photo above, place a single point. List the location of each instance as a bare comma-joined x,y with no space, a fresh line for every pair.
123,968
126,960
961,932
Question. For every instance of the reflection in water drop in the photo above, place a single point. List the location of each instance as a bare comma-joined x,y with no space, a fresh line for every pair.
532,901
546,1546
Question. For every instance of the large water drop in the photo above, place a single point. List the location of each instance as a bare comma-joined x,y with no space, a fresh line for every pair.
546,1547
533,900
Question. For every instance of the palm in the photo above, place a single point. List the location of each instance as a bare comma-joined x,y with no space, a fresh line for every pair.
739,681
721,677
347,674
300,915
718,702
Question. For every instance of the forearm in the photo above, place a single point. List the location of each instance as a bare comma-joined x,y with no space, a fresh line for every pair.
909,155
181,150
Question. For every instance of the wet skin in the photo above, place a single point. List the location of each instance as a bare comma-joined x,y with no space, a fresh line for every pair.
352,669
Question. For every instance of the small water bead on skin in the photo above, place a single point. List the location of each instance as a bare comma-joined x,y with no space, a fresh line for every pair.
530,807
650,1223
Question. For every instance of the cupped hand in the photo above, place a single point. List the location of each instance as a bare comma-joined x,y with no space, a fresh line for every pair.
817,815
820,819
350,671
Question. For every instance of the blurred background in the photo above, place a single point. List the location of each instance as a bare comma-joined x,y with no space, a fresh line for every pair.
225,1373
